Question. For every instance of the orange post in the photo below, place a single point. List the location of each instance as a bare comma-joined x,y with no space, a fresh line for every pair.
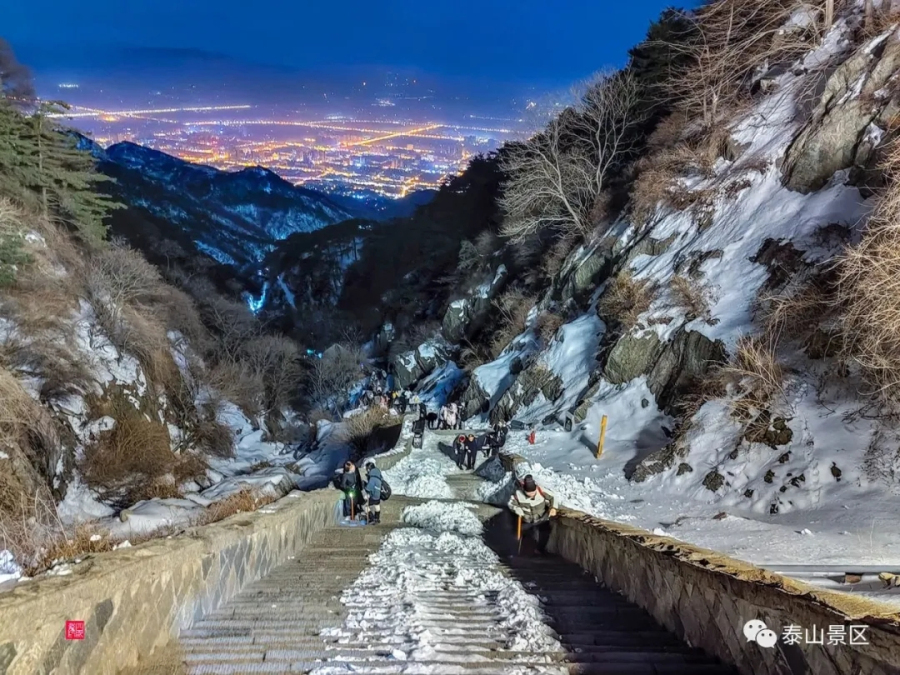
602,437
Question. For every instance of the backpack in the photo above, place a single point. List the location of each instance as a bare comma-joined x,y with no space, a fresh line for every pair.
385,490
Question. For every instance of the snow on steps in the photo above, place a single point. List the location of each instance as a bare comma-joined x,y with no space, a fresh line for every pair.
666,576
452,608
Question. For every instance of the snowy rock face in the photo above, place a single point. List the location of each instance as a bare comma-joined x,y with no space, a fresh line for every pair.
857,104
466,315
781,201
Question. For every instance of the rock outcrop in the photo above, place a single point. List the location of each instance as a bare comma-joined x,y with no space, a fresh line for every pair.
671,367
848,121
466,315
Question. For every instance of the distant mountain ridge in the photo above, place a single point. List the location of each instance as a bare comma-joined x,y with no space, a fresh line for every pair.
235,217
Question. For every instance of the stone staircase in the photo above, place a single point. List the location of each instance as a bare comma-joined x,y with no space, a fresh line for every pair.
276,625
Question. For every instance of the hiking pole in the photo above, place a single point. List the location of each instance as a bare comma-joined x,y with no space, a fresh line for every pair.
519,534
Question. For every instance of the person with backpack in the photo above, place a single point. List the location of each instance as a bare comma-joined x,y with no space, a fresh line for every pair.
375,485
535,506
459,451
351,484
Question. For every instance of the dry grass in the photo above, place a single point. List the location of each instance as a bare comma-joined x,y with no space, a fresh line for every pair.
796,315
548,323
755,375
189,467
358,430
129,460
245,501
880,20
626,298
869,292
555,258
657,180
512,310
213,437
472,355
692,296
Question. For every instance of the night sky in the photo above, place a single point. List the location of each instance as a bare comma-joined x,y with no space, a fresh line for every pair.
540,42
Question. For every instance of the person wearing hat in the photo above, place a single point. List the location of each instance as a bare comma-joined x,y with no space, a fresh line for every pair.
374,482
535,506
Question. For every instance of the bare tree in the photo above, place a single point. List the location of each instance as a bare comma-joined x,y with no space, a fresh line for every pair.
275,361
557,176
333,374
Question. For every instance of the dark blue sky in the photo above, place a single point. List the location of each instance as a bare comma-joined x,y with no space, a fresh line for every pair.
542,42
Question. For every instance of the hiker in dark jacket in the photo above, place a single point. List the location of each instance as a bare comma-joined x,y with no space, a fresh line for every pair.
402,402
459,451
374,482
351,484
473,445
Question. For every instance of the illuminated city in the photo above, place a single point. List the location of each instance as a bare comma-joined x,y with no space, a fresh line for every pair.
391,152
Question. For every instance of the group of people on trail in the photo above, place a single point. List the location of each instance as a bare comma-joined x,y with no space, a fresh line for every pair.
467,447
363,493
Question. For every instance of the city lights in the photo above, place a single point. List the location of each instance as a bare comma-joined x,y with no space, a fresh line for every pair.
390,156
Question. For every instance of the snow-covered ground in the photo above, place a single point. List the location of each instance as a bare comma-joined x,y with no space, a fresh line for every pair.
401,598
826,494
423,473
857,531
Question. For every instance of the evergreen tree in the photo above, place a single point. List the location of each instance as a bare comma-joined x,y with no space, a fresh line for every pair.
68,183
12,256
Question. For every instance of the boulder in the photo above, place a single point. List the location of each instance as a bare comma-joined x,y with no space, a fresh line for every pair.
466,315
384,337
406,368
853,99
654,463
647,246
632,357
672,368
587,273
532,381
686,360
456,318
474,400
431,355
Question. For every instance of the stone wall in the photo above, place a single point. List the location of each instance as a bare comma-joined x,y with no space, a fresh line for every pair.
134,601
706,598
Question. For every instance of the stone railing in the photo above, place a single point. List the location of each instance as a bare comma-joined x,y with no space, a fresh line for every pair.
705,598
136,600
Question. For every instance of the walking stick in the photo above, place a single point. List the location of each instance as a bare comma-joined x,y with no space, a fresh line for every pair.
519,534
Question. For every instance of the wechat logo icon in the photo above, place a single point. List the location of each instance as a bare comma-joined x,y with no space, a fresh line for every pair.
757,631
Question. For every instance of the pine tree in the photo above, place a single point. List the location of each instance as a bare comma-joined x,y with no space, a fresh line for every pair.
12,256
18,158
68,182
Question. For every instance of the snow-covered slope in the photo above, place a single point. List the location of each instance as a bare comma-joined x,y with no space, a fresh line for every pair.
804,474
